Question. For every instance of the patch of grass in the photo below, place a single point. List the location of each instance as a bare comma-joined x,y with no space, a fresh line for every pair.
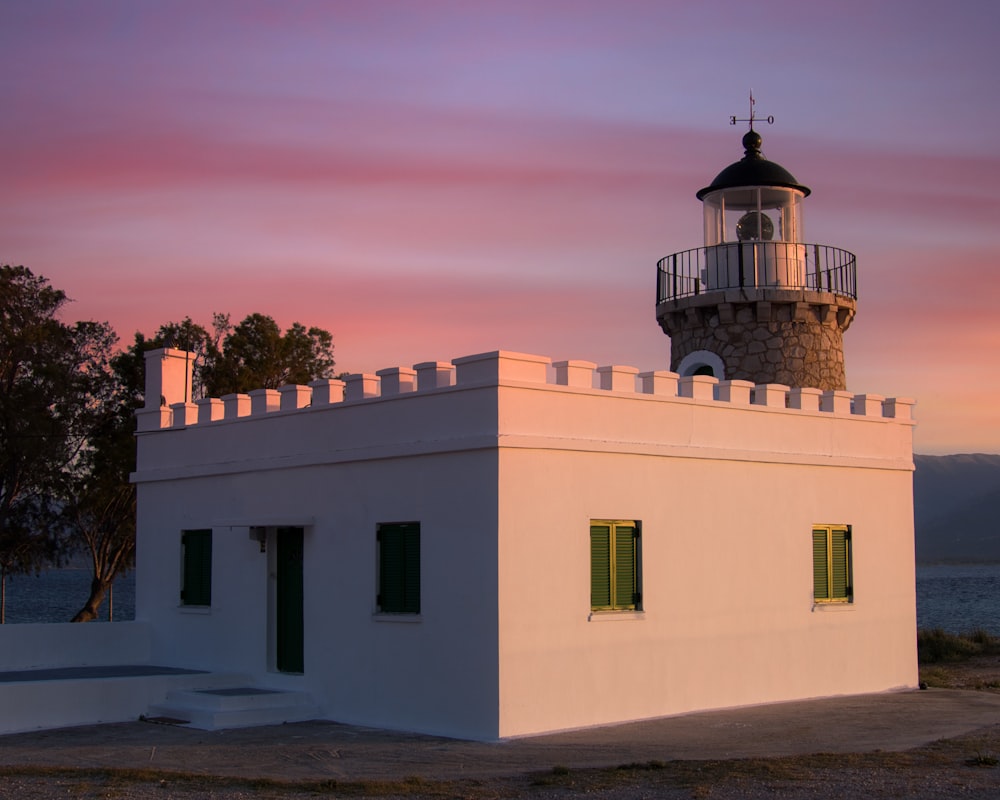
982,637
645,765
935,677
935,646
555,777
983,760
985,755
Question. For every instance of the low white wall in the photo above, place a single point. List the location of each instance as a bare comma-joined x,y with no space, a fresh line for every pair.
39,705
48,645
27,705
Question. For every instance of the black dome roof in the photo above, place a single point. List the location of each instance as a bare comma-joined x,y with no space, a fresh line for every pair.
753,170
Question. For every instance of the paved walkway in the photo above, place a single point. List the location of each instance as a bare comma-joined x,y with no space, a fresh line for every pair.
326,750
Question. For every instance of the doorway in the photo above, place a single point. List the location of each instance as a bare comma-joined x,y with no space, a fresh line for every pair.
289,627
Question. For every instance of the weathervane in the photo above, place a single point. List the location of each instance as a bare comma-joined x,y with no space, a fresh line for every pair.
752,118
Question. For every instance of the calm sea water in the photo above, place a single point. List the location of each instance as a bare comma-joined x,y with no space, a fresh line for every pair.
956,598
56,596
959,598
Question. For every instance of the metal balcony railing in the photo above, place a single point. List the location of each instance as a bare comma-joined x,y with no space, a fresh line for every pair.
756,265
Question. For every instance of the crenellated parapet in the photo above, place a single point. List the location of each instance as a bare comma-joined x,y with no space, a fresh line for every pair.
498,368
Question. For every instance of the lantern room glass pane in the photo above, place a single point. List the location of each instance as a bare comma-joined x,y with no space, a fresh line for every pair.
753,213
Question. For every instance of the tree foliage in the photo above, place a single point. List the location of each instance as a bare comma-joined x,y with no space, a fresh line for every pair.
190,336
67,406
256,355
98,511
54,381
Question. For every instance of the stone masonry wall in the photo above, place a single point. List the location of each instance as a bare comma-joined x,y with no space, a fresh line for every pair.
797,343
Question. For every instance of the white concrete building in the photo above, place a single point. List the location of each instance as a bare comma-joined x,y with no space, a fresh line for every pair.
503,546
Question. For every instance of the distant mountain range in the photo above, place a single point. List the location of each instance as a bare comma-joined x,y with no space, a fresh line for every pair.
956,508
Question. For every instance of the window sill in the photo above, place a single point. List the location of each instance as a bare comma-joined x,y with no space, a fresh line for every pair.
616,616
824,607
401,617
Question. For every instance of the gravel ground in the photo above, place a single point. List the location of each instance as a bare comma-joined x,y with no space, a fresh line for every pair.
955,768
949,769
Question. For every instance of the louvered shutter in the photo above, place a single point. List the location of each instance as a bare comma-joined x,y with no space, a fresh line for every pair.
411,569
600,566
625,590
821,583
399,568
840,564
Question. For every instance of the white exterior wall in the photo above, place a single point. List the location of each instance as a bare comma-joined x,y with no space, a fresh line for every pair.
337,472
504,470
727,497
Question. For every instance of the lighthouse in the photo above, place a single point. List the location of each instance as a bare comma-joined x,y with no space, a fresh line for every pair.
757,302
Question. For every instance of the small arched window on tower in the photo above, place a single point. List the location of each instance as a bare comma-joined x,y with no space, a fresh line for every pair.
702,362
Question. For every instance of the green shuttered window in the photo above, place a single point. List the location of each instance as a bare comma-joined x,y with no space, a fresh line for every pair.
399,568
614,565
832,581
196,582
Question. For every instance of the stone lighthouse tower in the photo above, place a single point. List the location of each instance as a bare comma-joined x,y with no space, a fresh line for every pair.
756,302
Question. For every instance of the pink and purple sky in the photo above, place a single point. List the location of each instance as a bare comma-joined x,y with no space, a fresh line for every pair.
433,179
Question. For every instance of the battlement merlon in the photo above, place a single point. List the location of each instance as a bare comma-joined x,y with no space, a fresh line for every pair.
169,374
504,399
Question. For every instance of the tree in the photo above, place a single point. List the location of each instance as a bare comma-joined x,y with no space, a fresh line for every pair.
255,355
53,382
308,354
67,419
99,500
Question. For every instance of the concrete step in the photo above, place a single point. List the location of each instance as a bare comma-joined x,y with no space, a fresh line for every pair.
213,709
